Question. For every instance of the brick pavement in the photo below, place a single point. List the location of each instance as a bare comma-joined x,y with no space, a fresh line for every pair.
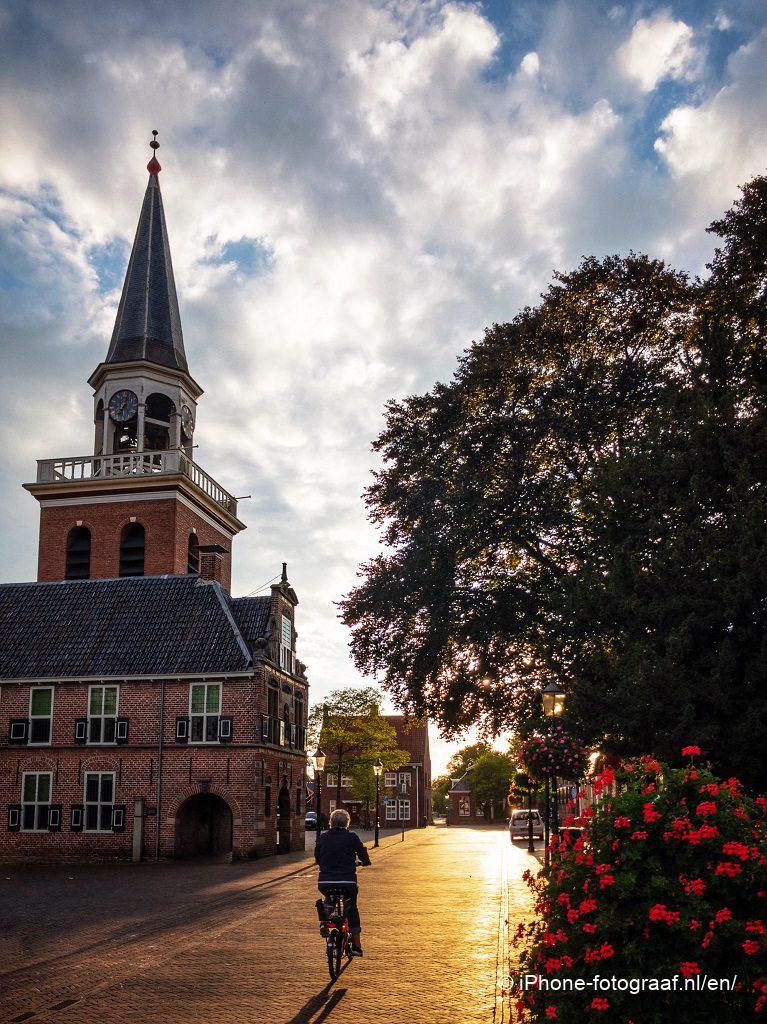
204,943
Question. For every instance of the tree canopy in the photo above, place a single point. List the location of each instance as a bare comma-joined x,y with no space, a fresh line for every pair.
491,777
354,735
585,502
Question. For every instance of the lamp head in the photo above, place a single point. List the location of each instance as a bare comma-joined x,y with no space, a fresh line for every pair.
378,768
553,700
319,758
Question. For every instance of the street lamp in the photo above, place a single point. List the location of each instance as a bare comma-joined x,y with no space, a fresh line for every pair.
553,701
377,770
319,767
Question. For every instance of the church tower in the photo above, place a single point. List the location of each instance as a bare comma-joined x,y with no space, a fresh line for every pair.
139,505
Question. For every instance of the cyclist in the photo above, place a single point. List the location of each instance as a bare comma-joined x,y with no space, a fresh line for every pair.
336,853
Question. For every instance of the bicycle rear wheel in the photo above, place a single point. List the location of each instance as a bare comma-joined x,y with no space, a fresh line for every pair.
334,954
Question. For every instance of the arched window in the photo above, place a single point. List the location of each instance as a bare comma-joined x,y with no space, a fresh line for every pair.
78,566
159,410
98,420
132,543
193,556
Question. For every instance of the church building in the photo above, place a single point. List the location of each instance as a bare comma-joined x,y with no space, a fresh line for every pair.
145,713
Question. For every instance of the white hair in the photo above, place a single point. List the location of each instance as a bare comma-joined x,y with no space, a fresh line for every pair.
340,818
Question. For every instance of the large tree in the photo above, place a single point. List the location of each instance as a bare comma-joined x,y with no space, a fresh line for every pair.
491,778
586,502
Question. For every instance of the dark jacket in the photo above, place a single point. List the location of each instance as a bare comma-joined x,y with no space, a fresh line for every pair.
336,853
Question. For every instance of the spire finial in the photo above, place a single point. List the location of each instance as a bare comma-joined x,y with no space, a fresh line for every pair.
284,572
154,165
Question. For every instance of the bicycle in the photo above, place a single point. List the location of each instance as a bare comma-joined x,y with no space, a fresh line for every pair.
335,930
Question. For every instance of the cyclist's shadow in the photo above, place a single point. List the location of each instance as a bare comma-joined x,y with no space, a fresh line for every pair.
322,1004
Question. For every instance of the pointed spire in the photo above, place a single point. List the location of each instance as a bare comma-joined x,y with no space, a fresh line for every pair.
148,325
284,572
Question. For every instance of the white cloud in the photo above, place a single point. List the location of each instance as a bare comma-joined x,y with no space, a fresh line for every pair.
713,147
530,64
660,48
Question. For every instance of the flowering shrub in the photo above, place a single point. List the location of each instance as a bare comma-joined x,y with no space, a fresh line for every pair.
553,752
668,880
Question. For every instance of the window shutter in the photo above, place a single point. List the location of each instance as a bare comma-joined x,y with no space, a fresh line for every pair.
118,818
225,728
292,735
264,728
81,730
182,729
76,818
54,818
18,730
121,730
14,817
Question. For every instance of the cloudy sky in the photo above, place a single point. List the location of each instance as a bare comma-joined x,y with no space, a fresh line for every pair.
354,190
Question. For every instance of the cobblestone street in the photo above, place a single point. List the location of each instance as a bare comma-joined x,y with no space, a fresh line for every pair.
207,943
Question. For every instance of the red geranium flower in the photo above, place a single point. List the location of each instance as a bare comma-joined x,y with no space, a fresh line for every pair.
690,751
688,969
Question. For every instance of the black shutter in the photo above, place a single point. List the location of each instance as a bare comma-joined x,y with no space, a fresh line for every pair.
18,730
182,729
121,730
118,818
76,818
81,730
14,817
54,818
225,729
265,728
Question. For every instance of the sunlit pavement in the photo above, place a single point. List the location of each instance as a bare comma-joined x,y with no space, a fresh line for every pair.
233,943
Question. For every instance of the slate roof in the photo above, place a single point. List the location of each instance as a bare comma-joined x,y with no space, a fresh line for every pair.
252,615
148,325
136,626
411,736
461,785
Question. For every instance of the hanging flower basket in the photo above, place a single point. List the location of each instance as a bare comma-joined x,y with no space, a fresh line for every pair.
554,752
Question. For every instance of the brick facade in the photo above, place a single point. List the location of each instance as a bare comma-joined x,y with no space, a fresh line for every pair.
256,780
168,522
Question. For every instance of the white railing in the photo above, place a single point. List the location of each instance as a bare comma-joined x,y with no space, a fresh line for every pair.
133,464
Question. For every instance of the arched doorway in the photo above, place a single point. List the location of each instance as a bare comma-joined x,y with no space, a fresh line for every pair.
283,820
204,827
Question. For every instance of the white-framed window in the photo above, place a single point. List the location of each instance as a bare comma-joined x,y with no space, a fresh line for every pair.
391,811
99,801
204,711
404,810
35,801
390,779
346,781
40,714
464,807
102,713
331,806
286,644
405,778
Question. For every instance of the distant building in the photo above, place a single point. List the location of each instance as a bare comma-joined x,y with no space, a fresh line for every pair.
463,808
405,793
144,711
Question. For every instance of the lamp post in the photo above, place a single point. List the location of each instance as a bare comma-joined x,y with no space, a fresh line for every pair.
377,769
553,701
319,767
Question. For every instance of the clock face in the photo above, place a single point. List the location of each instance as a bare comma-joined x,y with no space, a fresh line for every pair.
187,421
123,406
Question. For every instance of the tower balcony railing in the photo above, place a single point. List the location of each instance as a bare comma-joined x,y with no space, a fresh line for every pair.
133,464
